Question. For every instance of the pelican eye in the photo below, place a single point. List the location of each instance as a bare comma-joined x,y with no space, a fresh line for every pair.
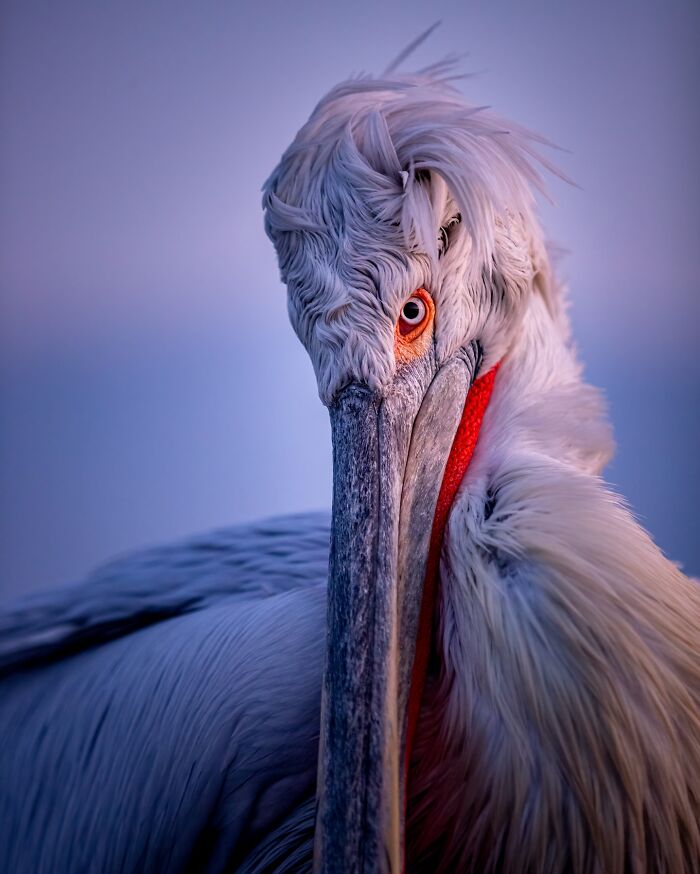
413,311
416,315
444,232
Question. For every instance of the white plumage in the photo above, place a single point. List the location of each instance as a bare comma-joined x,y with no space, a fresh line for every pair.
569,696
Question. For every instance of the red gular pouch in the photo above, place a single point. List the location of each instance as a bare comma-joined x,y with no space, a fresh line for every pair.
458,461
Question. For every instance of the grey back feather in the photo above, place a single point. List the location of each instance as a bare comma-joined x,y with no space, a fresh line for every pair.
150,585
163,716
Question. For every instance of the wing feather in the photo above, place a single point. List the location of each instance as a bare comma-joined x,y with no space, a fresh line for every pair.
173,746
152,585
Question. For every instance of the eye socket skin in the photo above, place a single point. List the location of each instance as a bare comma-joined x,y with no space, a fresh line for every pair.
412,335
416,314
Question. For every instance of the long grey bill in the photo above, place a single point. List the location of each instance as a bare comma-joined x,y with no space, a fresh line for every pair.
389,453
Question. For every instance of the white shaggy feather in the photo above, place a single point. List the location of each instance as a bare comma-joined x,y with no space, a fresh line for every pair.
354,208
562,732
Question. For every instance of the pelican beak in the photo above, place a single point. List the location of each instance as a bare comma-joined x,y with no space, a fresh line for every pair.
390,452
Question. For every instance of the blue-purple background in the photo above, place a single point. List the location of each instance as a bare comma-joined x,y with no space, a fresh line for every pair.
149,383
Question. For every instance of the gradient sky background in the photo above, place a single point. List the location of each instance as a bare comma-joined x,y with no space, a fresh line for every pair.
150,386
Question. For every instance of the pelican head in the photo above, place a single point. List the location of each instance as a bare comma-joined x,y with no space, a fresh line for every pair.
404,227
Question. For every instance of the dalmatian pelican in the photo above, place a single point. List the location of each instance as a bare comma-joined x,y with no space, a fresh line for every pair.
479,662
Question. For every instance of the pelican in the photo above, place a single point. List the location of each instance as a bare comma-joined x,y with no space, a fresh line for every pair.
479,662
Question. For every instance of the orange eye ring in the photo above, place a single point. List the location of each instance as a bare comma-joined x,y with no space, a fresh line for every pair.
417,314
414,328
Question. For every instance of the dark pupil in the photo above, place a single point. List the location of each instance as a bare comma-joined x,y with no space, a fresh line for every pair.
411,310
